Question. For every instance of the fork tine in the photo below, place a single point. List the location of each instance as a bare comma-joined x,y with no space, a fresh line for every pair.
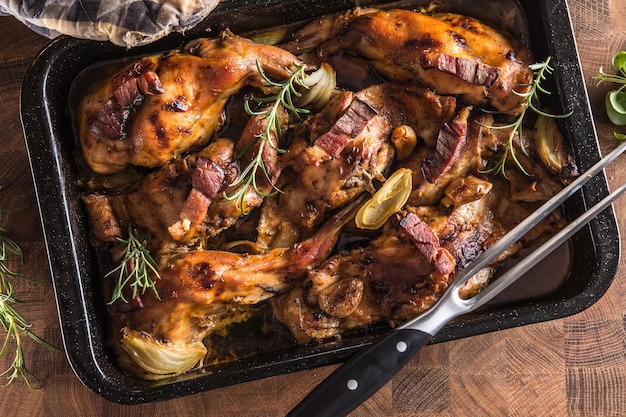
530,260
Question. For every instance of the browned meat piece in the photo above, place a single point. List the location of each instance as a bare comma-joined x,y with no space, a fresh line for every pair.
461,158
473,224
217,179
368,284
536,182
427,243
450,53
249,145
213,172
208,177
348,126
117,129
103,224
313,182
456,156
194,210
468,229
397,275
157,202
129,88
450,143
464,190
199,287
184,201
417,107
304,321
152,207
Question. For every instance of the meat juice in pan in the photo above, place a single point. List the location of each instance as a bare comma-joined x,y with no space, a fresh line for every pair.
228,345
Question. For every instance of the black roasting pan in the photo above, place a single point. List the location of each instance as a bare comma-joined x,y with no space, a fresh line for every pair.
583,272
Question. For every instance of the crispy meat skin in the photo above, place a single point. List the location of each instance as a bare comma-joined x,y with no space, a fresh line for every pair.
163,112
197,286
450,53
196,84
314,183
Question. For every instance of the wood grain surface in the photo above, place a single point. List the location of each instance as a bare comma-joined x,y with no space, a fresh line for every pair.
569,367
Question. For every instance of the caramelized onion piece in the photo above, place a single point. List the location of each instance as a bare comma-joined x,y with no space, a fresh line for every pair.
160,359
244,246
552,149
386,201
321,85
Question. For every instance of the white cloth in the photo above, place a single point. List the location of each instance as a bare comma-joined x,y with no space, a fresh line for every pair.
124,22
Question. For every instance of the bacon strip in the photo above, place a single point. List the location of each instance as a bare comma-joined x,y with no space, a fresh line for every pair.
207,181
134,86
450,141
427,243
196,207
208,177
468,70
349,125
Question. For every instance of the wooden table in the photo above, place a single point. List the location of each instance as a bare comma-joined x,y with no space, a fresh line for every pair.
569,367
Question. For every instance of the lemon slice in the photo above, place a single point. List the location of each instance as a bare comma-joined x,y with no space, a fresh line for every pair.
386,201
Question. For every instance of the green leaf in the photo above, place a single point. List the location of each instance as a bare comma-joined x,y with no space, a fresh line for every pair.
616,107
136,268
619,61
283,98
619,136
531,101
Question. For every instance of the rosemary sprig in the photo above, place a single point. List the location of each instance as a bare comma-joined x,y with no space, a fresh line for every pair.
12,320
531,101
135,267
284,98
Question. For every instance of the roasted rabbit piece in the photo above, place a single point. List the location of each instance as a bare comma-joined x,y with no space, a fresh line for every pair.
451,53
158,107
199,289
156,204
531,177
468,144
210,207
350,146
183,202
391,278
456,153
405,270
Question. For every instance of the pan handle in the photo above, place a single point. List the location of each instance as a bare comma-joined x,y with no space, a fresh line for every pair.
362,375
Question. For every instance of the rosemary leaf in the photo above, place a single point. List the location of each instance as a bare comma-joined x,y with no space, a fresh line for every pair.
136,268
531,101
287,90
13,322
